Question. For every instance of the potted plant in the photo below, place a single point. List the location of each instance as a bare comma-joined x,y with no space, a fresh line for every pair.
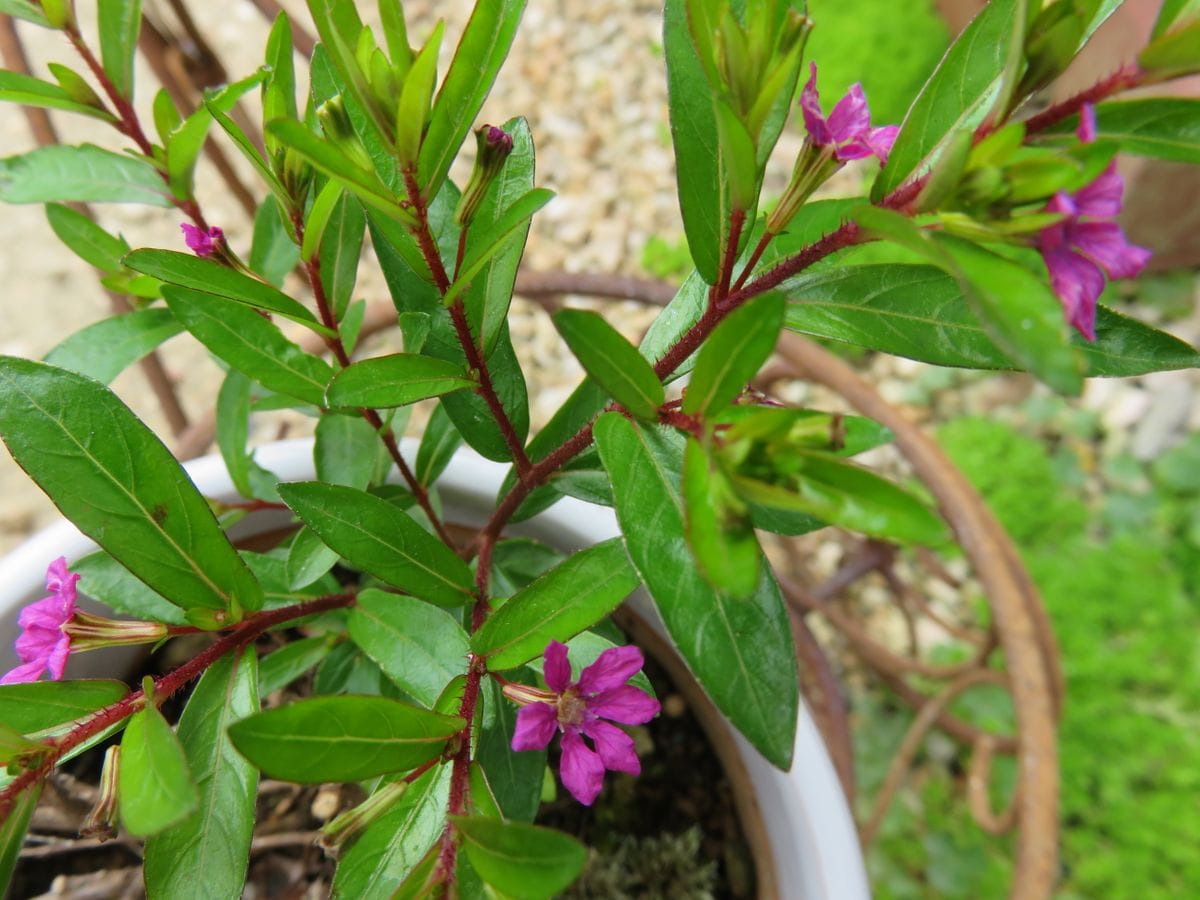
995,232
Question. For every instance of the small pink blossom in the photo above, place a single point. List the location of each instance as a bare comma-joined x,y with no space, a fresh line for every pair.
201,242
848,129
43,644
1086,245
579,709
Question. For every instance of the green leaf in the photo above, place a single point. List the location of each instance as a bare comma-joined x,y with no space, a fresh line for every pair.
718,525
416,97
974,78
418,646
1020,313
694,135
252,344
103,578
104,350
331,161
395,380
488,298
570,597
233,429
41,705
845,494
120,21
89,241
733,354
439,443
30,91
341,248
1160,127
753,683
346,738
279,669
508,225
186,140
383,540
469,411
154,786
380,860
100,465
521,860
210,277
211,847
515,777
919,312
347,451
612,361
29,11
85,174
308,558
13,828
481,51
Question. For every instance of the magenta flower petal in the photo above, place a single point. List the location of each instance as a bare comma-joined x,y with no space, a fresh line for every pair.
810,106
1101,198
199,241
556,667
850,118
582,769
1087,124
1105,243
1078,282
42,643
536,724
23,674
626,704
614,746
611,669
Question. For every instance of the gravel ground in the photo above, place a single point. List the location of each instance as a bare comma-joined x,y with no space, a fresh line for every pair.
588,74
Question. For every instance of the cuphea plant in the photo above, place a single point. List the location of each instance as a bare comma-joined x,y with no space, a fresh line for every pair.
1000,228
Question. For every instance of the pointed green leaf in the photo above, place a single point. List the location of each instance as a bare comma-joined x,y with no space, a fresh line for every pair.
211,847
347,451
754,684
612,361
255,346
89,241
13,828
439,442
418,646
573,595
521,860
85,174
30,12
279,669
341,248
101,465
733,354
515,777
120,21
104,350
346,738
41,705
719,528
186,140
210,277
103,578
30,91
484,44
974,78
154,786
395,380
383,540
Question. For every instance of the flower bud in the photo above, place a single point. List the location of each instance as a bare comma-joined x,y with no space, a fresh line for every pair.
339,130
101,822
346,828
494,145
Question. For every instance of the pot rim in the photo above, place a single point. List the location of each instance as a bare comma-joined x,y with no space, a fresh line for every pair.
802,814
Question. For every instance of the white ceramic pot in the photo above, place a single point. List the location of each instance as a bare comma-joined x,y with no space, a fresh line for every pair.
797,822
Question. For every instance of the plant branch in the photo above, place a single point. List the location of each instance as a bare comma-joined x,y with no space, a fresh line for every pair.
1128,76
241,635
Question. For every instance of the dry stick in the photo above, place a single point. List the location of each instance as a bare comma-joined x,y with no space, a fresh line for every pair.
13,54
302,40
241,635
1032,673
906,754
158,52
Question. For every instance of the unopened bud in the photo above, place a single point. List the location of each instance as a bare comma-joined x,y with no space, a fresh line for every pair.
346,828
339,129
101,822
523,694
494,145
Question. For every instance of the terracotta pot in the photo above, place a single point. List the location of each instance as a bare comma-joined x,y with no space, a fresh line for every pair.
797,823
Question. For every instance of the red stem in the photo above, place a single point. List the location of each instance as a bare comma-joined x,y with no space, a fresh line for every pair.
242,635
759,250
1128,76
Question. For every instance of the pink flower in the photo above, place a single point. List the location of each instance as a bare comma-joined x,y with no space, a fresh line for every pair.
578,709
848,129
201,242
1087,245
43,644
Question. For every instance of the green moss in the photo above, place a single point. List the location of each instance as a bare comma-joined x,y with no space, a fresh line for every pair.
890,47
